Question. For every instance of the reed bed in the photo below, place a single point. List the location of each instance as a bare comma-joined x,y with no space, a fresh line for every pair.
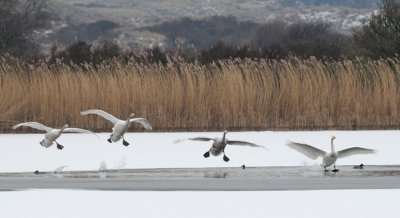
232,94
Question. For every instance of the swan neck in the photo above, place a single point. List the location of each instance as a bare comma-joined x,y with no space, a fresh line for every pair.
129,118
332,147
223,137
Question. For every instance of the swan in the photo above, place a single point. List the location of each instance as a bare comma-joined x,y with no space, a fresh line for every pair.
120,126
219,145
52,134
328,158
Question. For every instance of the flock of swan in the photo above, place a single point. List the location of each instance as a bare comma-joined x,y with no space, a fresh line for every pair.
218,146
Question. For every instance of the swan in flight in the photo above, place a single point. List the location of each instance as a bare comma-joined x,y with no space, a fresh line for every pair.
52,134
328,158
219,145
120,126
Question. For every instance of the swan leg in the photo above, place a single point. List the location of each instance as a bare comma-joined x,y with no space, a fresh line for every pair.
59,146
226,159
207,154
125,143
325,169
334,169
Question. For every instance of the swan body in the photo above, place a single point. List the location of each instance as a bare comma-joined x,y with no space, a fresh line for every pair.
120,126
51,134
328,158
219,145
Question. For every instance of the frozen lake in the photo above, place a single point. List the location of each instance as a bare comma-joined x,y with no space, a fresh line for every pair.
210,179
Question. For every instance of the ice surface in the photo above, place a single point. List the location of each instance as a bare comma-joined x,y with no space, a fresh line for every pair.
22,152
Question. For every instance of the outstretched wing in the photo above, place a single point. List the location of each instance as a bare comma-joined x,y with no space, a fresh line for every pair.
101,113
242,143
307,150
78,130
355,150
143,122
203,139
34,125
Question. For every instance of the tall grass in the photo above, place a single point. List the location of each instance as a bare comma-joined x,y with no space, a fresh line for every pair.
232,94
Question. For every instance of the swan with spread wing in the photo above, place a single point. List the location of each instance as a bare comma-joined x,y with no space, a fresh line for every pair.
219,145
51,133
120,126
328,158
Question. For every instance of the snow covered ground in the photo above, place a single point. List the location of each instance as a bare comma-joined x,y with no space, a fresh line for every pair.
105,204
22,152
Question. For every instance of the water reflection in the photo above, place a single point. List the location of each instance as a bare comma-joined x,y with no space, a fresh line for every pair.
219,175
102,170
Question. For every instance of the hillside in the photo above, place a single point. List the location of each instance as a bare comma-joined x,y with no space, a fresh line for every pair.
126,19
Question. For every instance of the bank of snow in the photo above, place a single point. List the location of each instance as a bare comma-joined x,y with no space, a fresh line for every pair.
101,204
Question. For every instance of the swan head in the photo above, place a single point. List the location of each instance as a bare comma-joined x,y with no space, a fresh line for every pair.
333,137
225,131
65,126
131,116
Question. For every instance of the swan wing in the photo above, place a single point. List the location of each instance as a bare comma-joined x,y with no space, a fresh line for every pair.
355,150
242,143
143,122
307,150
101,113
77,130
34,125
203,139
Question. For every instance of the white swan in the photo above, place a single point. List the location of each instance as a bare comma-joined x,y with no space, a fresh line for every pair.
328,158
219,145
52,134
120,126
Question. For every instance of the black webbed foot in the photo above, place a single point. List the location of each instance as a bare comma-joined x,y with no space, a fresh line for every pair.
207,154
125,143
109,140
226,159
60,146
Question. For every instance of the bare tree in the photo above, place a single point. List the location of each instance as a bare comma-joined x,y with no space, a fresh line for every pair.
18,21
380,35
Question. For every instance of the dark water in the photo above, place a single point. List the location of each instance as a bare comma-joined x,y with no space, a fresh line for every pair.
210,179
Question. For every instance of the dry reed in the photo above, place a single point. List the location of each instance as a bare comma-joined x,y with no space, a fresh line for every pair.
232,94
